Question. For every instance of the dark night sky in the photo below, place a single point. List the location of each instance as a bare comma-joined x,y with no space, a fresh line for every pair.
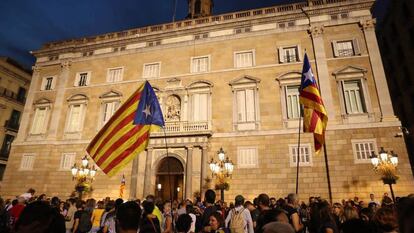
27,24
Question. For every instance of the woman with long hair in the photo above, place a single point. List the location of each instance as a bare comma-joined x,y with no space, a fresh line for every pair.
326,218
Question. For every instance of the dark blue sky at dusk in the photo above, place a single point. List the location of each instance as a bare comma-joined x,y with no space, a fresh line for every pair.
26,25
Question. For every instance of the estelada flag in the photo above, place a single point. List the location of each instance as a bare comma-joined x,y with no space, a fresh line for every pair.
127,132
315,118
122,187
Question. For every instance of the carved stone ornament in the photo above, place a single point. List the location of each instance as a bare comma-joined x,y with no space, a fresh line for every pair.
316,31
65,64
173,107
368,24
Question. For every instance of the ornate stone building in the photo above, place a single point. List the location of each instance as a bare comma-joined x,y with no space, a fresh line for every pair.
14,83
227,81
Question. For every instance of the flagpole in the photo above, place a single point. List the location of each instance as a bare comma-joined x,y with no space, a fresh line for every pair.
169,179
298,150
328,177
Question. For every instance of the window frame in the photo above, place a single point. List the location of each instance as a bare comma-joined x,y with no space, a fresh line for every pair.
78,77
158,75
282,54
62,160
48,107
21,168
354,142
292,78
44,82
200,57
109,72
356,49
81,100
252,51
294,156
255,158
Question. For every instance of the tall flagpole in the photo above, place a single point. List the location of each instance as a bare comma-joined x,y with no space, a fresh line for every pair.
298,150
169,179
328,177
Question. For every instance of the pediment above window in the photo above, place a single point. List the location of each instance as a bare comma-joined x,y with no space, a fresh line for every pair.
245,81
292,77
78,98
174,83
111,94
350,72
200,84
42,101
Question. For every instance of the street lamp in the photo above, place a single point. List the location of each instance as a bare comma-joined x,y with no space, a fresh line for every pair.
386,165
84,176
222,169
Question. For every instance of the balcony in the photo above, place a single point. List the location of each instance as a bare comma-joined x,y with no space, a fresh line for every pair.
12,96
12,126
185,128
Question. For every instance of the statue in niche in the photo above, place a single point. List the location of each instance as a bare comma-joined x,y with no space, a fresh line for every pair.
173,107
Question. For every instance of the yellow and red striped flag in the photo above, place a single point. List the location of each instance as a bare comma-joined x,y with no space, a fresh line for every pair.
315,118
122,187
127,132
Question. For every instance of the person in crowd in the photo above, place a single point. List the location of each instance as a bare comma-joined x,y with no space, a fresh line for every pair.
60,219
405,209
372,199
184,223
292,212
273,202
28,195
63,208
216,223
109,208
39,217
182,209
42,197
386,201
128,217
4,217
110,220
16,210
366,214
157,211
357,226
70,216
192,212
263,203
254,212
149,223
90,205
338,212
326,219
167,221
278,227
350,213
96,217
81,219
239,217
210,197
385,219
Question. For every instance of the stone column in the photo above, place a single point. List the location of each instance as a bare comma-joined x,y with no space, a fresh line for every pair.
204,171
189,174
59,101
134,178
387,112
322,73
28,107
147,176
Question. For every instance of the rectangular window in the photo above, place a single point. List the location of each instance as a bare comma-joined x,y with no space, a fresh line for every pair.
48,83
115,75
5,148
21,95
199,107
292,102
13,122
244,59
200,64
27,162
40,120
67,160
290,54
74,121
247,157
109,109
363,149
305,155
2,168
353,96
246,109
151,70
82,79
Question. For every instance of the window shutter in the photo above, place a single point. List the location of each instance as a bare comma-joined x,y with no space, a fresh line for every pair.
53,83
281,56
88,78
335,48
76,83
250,106
299,53
355,43
241,106
42,87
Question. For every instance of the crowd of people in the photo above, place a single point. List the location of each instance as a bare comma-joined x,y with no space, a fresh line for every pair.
264,214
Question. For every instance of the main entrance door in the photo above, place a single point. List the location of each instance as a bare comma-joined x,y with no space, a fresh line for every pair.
170,179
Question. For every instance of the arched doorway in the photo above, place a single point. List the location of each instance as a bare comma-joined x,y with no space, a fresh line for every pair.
170,179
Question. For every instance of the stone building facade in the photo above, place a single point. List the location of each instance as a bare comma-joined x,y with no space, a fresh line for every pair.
14,83
224,81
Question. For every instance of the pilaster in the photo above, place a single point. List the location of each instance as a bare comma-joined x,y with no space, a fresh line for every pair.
134,178
189,173
383,94
59,100
147,176
322,73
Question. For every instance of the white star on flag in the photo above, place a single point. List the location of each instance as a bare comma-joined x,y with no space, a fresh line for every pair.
147,111
308,75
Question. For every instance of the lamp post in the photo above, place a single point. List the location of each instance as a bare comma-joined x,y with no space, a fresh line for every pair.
222,169
84,176
386,165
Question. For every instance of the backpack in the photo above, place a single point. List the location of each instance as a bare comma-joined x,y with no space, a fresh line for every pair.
237,222
85,223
